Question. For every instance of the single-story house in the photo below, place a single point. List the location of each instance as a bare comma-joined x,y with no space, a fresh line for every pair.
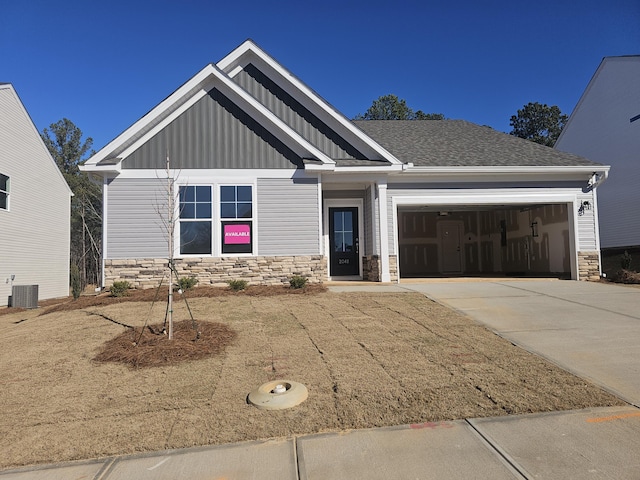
271,181
605,127
35,208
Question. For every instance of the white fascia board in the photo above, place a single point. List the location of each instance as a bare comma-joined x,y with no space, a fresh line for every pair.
320,168
548,172
236,54
217,174
248,47
509,169
364,170
113,169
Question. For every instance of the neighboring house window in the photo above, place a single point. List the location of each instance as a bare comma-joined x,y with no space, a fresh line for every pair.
4,192
236,218
195,220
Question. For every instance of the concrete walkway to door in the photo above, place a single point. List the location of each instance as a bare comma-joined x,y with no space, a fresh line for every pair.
590,329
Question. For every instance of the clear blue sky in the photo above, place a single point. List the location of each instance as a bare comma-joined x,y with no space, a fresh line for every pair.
104,64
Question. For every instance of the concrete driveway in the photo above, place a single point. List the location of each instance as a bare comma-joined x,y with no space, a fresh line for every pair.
590,329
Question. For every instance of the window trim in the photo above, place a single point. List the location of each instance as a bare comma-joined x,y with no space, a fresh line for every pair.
217,220
177,231
6,193
221,221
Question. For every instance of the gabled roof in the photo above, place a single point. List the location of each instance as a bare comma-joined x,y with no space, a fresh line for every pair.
248,52
180,100
221,76
33,131
457,143
622,99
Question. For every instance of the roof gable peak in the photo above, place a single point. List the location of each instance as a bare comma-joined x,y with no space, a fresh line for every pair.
209,77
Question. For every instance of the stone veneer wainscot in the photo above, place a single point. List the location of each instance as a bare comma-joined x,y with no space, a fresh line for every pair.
148,272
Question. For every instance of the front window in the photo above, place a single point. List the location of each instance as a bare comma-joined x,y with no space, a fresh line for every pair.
195,220
236,218
4,192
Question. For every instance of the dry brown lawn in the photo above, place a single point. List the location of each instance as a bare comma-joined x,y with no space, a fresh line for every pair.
367,360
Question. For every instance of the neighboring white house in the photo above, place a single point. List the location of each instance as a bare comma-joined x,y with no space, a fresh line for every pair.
271,181
605,127
34,207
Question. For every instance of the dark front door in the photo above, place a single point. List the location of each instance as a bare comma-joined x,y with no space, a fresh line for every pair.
343,239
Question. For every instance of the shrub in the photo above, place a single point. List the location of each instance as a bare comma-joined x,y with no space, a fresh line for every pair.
626,276
119,288
237,285
625,260
297,281
185,283
76,284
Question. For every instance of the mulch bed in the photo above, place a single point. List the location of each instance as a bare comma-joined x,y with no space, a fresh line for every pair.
151,347
626,276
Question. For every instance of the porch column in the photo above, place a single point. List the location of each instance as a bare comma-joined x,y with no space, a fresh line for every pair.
385,275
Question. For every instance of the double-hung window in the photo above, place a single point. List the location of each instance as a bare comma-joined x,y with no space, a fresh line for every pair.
195,220
236,218
4,192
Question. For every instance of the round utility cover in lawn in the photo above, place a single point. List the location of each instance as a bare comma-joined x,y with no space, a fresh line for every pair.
278,395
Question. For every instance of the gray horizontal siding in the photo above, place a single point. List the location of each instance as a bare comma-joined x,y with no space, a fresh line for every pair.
214,133
600,129
294,114
34,231
134,226
288,217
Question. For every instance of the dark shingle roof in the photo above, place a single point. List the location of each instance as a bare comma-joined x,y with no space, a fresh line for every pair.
440,143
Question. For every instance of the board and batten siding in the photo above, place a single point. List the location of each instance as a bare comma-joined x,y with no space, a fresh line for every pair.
288,217
213,133
134,225
34,231
294,114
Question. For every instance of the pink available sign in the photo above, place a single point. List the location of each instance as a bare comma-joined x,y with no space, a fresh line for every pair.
237,234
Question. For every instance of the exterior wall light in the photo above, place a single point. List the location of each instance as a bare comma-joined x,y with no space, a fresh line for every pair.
584,206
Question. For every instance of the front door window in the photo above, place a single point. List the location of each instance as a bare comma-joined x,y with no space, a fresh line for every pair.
344,242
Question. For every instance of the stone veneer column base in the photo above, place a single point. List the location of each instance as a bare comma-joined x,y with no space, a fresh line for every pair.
371,268
589,266
393,268
148,272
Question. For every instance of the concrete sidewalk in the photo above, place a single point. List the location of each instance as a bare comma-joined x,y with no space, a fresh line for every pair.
590,329
598,443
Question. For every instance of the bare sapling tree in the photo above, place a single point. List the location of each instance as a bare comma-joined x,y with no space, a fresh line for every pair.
168,219
171,228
